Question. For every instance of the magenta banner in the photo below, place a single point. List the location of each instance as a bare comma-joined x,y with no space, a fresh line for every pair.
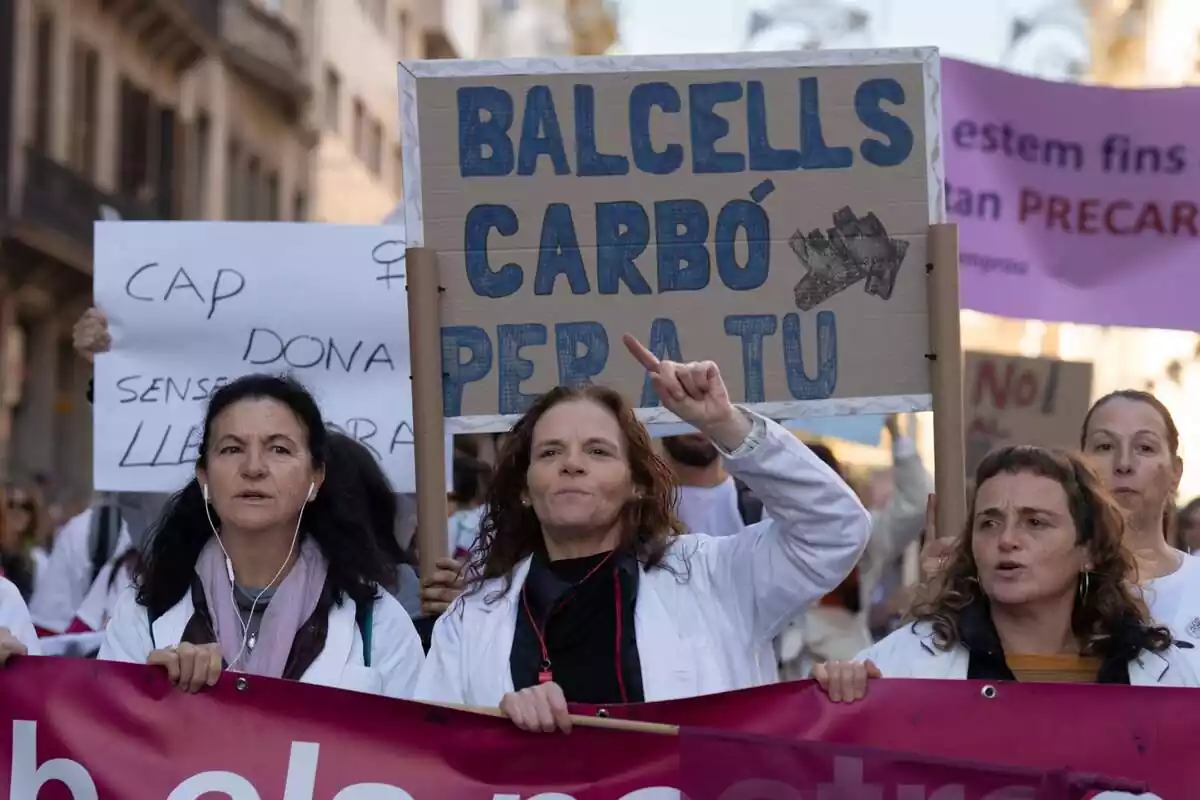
72,729
1074,203
1040,726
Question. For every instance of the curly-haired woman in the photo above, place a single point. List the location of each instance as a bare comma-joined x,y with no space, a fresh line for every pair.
1039,588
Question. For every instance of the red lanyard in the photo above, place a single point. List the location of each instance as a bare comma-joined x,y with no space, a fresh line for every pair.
545,670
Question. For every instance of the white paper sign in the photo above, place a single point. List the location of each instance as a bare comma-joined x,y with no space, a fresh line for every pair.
194,305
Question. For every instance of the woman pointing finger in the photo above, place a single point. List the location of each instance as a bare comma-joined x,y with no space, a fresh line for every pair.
581,587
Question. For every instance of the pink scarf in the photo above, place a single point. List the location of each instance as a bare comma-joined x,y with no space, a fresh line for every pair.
293,603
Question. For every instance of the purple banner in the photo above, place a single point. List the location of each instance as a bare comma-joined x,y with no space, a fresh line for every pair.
1074,203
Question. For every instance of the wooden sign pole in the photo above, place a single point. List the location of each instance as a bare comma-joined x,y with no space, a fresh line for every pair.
949,435
429,425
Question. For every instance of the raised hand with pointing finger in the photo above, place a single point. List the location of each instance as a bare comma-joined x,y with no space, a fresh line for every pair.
696,393
581,545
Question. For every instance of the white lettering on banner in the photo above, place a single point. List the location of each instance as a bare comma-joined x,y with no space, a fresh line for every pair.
761,789
27,777
234,786
192,306
302,771
372,791
649,793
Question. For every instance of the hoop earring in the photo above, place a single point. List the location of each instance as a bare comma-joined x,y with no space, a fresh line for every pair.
1084,580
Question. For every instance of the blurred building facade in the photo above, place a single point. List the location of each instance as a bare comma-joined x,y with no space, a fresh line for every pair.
137,109
1146,42
358,171
198,109
527,28
358,175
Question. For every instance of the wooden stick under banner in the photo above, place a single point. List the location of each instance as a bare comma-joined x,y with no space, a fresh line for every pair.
581,721
949,434
429,425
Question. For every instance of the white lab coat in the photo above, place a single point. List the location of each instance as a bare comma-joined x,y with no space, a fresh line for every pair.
396,651
910,653
702,628
101,600
66,578
825,633
14,616
462,529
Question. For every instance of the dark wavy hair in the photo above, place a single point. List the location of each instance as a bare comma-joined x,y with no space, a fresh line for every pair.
1138,396
1109,619
335,519
374,491
510,531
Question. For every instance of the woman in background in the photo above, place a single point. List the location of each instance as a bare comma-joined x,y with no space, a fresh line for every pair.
1131,439
1188,525
1037,589
377,496
374,492
838,626
470,476
25,536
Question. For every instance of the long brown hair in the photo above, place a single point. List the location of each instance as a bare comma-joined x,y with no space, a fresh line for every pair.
509,531
17,546
1138,396
37,530
1109,615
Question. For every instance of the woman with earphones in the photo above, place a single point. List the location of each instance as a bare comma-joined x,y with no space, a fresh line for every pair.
266,563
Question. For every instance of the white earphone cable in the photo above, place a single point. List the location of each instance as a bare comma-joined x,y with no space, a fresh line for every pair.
245,623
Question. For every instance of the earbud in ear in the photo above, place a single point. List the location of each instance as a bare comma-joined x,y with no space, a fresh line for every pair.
204,491
312,491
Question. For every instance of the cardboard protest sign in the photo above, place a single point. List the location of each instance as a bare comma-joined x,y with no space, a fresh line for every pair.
192,306
866,429
1013,400
766,211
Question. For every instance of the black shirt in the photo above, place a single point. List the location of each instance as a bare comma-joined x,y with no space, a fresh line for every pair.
986,655
584,610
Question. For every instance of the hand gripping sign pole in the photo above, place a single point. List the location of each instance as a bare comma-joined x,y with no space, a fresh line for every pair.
946,364
429,427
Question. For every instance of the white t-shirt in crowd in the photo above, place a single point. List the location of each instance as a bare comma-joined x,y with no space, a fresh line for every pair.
1166,597
100,601
462,529
66,578
710,509
15,616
